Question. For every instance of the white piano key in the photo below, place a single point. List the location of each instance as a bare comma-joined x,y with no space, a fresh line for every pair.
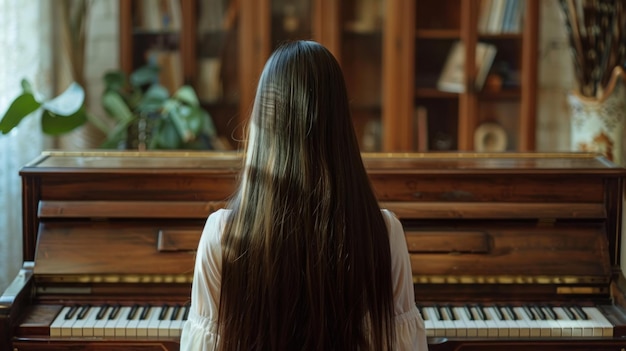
142,325
111,320
511,325
550,326
448,325
103,313
153,322
90,321
165,323
131,327
545,326
436,324
493,328
121,322
481,326
497,322
79,324
600,325
55,327
177,324
66,327
458,323
471,329
428,323
531,328
569,327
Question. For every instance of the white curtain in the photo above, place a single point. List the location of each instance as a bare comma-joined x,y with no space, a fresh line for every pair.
25,52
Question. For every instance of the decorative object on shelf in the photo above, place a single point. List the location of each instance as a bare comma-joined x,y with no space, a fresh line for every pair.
596,31
490,137
452,78
598,122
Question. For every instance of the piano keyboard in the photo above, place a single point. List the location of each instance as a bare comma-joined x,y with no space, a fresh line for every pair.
528,321
116,320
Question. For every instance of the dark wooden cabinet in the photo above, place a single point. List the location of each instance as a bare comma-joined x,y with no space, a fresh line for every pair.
392,53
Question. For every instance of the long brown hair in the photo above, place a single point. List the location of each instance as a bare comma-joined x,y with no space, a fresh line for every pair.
306,261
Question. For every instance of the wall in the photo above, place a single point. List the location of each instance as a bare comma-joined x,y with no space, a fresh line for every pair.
555,80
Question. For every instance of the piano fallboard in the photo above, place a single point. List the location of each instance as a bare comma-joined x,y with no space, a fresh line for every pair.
487,233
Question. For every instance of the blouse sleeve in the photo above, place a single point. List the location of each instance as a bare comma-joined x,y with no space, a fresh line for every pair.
410,331
199,331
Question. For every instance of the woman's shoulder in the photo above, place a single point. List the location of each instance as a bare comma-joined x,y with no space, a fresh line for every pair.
388,215
214,225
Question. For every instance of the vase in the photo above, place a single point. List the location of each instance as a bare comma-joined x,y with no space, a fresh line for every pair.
597,123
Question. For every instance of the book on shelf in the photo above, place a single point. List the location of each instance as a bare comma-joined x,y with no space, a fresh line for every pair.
421,128
500,16
157,15
170,68
452,77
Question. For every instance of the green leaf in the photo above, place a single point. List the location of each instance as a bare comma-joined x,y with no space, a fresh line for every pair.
21,107
68,102
27,87
167,137
118,135
114,80
53,124
187,95
116,107
153,100
144,75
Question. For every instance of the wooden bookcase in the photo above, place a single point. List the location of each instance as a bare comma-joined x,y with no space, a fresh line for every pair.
392,53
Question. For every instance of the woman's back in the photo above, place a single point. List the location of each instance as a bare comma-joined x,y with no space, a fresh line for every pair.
306,258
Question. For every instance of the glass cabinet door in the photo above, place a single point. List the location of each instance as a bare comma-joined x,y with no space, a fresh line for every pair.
290,20
217,64
361,55
156,28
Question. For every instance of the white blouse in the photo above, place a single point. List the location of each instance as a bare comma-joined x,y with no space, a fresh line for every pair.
199,332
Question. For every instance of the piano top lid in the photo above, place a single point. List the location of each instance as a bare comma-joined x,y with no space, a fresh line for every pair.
432,162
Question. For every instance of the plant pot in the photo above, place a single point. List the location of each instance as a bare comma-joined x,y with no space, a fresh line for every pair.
597,124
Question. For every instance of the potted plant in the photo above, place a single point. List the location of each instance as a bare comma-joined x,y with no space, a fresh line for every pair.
142,112
59,115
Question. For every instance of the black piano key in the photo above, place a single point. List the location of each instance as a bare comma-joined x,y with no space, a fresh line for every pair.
114,311
70,314
498,311
469,313
420,308
164,309
550,312
450,312
83,311
569,313
175,312
511,312
538,312
480,312
579,311
529,313
145,311
133,312
437,312
103,310
186,313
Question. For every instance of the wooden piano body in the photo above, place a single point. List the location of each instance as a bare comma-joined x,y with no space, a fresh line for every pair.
508,229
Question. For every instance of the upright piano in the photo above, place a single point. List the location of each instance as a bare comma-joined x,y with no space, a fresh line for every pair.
509,251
